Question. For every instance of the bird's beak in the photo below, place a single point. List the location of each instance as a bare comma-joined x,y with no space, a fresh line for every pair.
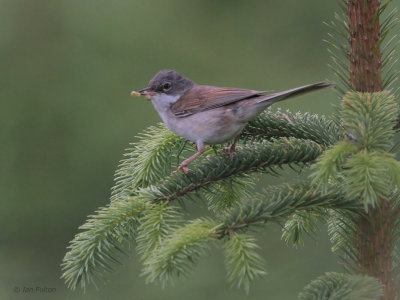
144,92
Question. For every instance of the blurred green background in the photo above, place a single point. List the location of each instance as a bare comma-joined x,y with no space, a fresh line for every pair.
66,71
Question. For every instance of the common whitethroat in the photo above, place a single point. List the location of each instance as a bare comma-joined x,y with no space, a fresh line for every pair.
209,115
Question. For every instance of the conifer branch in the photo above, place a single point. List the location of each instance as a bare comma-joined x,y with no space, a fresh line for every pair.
361,164
95,250
179,251
257,157
147,161
92,251
338,286
228,193
275,124
276,204
243,264
370,117
155,226
301,223
159,221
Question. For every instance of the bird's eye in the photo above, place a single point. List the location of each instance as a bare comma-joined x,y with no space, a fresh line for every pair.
166,86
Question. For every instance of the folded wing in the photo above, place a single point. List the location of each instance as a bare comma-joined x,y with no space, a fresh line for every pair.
201,98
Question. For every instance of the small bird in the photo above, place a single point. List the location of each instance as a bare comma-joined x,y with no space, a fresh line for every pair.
208,115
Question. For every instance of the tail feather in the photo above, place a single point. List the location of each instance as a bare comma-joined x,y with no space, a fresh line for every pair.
273,98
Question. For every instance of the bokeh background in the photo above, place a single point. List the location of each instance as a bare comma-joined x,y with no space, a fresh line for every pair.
66,71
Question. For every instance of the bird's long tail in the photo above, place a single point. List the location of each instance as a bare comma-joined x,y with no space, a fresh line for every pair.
276,97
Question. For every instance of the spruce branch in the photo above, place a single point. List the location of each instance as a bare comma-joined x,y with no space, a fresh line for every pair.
227,193
95,250
338,48
158,222
256,157
329,164
147,161
155,226
361,164
92,252
338,286
341,230
243,264
275,124
275,204
370,118
177,253
372,176
301,223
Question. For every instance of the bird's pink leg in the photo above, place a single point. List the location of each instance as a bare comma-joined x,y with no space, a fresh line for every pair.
183,166
231,150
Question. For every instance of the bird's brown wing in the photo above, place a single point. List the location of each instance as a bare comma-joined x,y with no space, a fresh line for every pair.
201,98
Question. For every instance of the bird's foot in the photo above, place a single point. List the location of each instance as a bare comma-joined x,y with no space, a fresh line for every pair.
231,151
183,168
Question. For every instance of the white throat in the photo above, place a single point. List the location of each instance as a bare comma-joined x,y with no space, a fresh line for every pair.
162,103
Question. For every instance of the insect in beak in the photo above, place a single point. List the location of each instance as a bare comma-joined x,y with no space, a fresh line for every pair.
144,92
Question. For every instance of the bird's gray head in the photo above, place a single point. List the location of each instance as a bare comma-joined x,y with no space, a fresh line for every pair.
168,82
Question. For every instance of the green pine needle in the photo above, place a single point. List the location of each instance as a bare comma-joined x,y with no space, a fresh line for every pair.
369,176
256,157
177,253
157,223
96,249
227,193
148,160
342,233
338,286
361,163
301,223
243,264
329,164
276,124
370,118
278,203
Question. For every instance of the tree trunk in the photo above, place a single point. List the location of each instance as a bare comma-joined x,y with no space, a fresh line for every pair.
365,54
374,234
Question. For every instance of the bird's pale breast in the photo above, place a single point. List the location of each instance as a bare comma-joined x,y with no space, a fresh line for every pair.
212,127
